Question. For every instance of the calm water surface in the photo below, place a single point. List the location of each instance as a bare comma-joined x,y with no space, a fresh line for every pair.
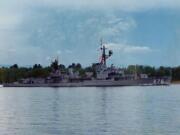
90,111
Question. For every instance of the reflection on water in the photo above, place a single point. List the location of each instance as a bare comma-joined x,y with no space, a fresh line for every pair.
87,111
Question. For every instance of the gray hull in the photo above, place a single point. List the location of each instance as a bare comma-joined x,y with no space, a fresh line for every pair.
97,83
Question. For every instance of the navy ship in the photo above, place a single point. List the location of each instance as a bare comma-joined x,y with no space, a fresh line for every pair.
104,76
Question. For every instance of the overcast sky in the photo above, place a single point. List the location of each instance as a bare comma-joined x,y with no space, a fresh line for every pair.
138,31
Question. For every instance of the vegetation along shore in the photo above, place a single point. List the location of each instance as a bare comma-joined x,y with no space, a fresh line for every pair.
15,73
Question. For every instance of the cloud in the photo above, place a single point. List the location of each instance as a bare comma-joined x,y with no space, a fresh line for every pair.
118,25
128,49
12,12
68,51
125,5
38,28
48,58
9,21
58,52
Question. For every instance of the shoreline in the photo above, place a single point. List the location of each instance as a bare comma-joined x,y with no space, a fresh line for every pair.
175,82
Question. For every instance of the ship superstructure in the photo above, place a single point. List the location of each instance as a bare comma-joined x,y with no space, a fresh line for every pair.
102,71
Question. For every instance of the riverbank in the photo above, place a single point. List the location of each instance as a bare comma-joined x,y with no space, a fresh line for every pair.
176,82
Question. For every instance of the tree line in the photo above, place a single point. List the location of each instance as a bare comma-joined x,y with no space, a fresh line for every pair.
14,72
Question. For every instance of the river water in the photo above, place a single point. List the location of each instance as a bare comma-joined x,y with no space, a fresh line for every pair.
90,111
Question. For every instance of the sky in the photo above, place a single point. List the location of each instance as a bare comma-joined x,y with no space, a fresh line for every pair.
143,32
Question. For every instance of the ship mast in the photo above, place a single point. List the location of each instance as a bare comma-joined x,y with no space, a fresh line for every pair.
104,57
